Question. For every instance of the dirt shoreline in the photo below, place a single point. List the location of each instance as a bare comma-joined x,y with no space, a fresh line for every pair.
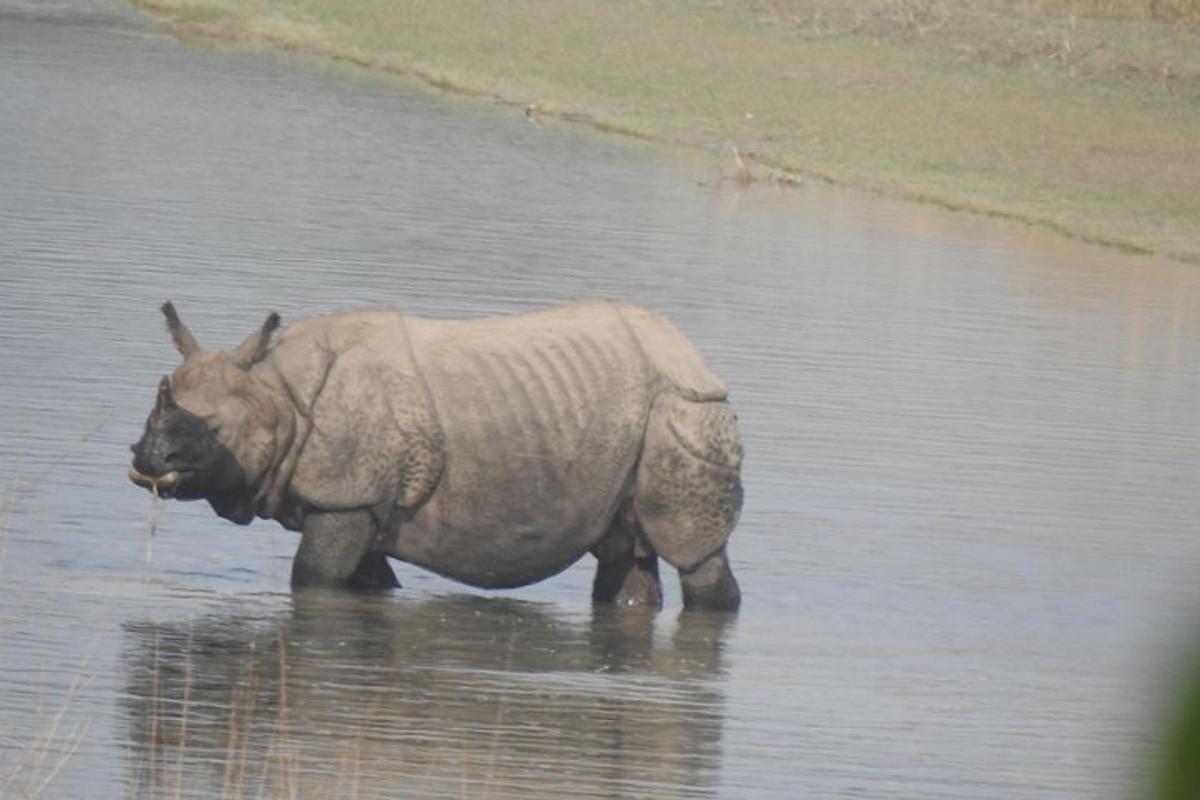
1089,127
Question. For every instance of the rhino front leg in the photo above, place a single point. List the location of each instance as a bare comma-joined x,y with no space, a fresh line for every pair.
335,550
373,574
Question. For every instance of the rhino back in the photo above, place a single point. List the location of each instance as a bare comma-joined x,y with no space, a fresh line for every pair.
542,417
671,356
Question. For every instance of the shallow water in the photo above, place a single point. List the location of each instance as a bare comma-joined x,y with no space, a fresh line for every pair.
968,551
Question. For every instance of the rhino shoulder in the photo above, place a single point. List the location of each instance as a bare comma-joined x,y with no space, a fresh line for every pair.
368,433
672,355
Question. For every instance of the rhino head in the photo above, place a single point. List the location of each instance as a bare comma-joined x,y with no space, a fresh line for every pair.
214,431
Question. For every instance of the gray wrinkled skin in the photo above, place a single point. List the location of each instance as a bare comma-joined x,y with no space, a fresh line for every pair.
495,451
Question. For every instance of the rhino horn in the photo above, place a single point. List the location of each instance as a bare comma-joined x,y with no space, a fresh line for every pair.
254,348
165,401
185,342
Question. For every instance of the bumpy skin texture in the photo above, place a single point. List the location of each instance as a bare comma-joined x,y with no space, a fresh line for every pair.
494,451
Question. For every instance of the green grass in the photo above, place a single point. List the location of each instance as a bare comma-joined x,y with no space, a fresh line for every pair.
1081,116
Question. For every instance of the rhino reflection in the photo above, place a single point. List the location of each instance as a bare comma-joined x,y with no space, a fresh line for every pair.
350,696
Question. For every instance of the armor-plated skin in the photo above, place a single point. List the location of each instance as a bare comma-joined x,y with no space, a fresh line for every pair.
495,451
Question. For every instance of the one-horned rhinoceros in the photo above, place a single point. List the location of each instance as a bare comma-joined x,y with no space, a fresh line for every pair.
494,451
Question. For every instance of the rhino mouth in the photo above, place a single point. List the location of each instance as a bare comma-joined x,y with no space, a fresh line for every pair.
162,485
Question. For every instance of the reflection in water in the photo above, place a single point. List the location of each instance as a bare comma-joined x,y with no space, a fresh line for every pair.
451,697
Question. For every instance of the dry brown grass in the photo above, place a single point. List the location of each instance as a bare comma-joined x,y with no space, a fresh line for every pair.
31,773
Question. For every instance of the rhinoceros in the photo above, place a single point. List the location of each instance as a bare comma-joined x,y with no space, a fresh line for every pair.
493,451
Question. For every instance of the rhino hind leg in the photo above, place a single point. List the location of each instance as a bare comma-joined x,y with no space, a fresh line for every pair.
628,581
336,551
627,568
711,585
688,495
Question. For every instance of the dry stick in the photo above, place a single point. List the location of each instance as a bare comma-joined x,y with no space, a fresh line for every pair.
356,768
343,770
41,478
13,769
230,748
68,751
354,752
72,742
187,695
152,779
289,763
6,511
253,693
283,712
15,490
277,749
497,725
70,747
464,776
34,756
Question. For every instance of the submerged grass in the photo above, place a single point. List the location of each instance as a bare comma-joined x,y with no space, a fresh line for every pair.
1080,115
257,755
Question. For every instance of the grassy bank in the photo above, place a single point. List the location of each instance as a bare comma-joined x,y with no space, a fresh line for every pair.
1081,116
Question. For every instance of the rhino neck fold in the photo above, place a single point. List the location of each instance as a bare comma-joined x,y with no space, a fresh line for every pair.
292,428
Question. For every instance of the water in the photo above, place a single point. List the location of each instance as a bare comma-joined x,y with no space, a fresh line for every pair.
968,551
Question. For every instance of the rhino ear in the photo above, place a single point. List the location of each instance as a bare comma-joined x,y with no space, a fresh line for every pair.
251,351
185,343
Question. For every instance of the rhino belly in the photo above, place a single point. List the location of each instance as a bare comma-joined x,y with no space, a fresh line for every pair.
498,553
541,435
497,525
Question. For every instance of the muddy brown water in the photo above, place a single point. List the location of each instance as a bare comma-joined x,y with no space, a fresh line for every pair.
969,545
